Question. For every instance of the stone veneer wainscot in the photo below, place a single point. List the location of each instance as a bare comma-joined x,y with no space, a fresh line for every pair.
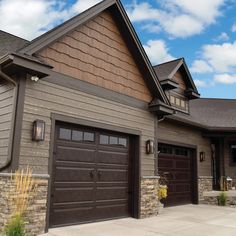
36,214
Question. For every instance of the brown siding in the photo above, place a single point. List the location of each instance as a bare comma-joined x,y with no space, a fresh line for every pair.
97,53
6,115
182,134
44,98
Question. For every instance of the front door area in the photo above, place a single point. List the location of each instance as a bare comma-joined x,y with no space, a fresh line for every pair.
177,164
90,176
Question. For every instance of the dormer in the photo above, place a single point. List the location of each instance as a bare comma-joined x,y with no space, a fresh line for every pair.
177,83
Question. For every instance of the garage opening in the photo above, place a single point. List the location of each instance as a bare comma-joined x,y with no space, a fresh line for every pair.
92,176
178,165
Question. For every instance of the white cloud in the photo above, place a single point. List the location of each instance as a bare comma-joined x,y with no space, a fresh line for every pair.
222,37
225,78
222,57
153,28
82,5
179,18
29,19
200,83
201,66
157,51
233,27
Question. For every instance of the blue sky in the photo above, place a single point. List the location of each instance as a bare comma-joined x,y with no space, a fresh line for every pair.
203,32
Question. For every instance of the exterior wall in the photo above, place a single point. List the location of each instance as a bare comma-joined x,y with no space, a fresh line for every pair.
97,53
177,133
36,213
230,169
7,92
178,77
44,98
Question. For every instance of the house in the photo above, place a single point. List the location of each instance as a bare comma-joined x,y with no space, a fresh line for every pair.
97,107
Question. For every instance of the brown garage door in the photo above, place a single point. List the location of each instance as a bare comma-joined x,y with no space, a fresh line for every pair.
90,176
176,163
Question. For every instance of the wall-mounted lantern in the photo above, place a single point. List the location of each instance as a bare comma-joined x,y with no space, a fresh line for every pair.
38,130
149,146
202,156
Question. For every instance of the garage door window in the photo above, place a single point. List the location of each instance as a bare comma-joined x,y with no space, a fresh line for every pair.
76,135
112,140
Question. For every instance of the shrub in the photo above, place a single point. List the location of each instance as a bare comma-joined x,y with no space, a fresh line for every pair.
15,226
23,190
162,192
222,199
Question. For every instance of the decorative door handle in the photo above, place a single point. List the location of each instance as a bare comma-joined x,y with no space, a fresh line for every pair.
91,174
99,174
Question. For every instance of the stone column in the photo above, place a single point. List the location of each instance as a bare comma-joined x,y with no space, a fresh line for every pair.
149,196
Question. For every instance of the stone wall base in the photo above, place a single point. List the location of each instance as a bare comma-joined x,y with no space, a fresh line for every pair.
204,185
35,217
149,196
212,200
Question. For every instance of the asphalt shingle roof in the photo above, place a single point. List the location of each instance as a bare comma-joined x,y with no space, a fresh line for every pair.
10,43
213,113
164,70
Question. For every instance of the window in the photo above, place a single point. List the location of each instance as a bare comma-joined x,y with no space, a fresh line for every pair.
76,135
233,153
65,134
113,140
88,136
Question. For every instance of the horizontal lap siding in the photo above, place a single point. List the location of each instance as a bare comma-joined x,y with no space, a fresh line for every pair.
44,98
6,115
182,134
96,53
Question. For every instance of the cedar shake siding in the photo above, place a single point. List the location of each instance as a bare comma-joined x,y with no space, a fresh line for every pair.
172,132
7,92
44,98
96,53
178,78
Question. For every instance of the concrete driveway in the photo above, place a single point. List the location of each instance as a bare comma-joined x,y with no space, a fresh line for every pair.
188,220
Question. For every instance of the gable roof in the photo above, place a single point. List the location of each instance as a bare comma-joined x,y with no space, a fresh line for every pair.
10,43
126,30
211,114
167,70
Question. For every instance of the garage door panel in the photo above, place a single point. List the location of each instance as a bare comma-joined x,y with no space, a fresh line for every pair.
73,174
109,157
165,163
182,188
182,164
66,194
182,176
113,175
75,154
112,211
70,216
112,193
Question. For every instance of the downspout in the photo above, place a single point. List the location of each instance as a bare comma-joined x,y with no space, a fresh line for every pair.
10,80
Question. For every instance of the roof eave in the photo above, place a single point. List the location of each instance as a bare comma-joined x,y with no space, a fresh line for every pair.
13,62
